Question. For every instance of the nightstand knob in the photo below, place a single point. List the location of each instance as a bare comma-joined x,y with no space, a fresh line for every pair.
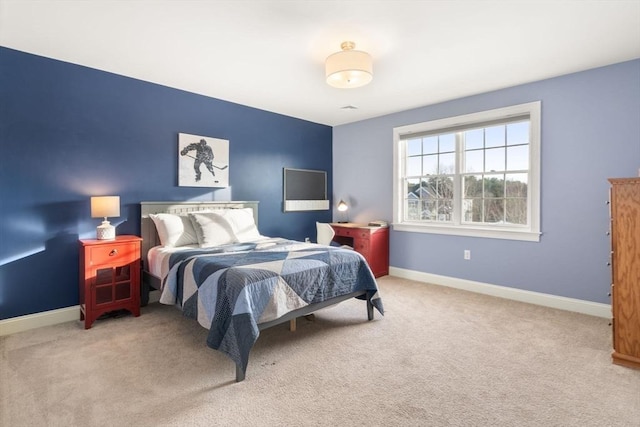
113,252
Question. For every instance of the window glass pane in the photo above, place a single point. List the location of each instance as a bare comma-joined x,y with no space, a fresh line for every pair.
472,210
472,185
474,139
414,166
430,188
412,186
518,133
494,160
493,186
516,185
430,164
516,211
430,145
412,209
518,157
447,164
494,136
445,210
494,210
445,188
429,210
414,147
473,161
447,142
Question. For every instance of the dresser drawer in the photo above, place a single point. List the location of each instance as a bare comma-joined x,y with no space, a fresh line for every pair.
371,242
362,250
352,232
114,254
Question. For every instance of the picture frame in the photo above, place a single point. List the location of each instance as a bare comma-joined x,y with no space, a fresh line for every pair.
203,161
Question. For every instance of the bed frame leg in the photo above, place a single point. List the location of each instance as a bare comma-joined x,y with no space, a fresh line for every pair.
144,292
369,310
239,374
292,325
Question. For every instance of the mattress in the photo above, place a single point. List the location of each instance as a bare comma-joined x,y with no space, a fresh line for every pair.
158,258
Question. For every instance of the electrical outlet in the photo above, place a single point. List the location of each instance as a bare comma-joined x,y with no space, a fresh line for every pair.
307,240
467,254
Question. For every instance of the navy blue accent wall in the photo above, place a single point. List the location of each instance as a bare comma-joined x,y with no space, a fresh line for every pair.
69,132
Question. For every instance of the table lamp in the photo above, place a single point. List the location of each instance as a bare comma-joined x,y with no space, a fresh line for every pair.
342,207
103,207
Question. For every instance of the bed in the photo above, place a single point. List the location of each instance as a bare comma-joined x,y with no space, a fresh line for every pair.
209,260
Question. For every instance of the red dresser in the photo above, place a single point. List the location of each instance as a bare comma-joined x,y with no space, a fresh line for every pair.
371,242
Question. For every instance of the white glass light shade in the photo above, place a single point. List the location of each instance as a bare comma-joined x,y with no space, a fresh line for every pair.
103,207
349,68
342,206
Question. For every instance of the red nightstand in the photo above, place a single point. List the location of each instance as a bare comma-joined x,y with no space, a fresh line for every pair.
109,277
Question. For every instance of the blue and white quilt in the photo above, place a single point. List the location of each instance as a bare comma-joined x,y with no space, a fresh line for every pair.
231,289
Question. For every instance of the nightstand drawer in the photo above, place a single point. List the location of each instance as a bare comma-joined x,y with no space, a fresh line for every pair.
117,254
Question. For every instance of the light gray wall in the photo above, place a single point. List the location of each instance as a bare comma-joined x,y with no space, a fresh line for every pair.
590,132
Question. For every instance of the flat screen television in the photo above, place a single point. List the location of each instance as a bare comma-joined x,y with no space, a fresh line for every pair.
305,190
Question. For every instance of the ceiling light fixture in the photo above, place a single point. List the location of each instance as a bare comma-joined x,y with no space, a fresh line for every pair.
349,68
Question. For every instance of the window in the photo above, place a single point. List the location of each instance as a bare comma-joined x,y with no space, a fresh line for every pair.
473,175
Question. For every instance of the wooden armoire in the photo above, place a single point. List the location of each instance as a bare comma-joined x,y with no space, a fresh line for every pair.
625,262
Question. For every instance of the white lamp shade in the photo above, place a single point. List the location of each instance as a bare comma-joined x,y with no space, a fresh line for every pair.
105,206
342,206
349,68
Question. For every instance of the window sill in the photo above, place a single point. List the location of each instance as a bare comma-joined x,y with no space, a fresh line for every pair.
490,233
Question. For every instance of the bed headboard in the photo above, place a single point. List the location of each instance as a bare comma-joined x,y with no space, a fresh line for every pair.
148,228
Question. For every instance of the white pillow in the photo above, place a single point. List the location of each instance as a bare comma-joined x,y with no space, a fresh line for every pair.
174,230
242,223
212,229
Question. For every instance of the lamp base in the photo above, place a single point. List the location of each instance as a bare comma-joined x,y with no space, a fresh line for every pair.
105,231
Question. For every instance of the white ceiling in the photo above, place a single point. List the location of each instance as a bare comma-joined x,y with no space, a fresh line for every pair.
270,54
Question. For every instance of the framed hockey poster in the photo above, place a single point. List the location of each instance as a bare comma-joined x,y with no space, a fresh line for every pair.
202,161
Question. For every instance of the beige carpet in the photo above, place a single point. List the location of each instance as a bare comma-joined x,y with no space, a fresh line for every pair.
440,357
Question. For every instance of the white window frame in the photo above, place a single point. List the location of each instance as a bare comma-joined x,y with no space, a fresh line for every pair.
530,232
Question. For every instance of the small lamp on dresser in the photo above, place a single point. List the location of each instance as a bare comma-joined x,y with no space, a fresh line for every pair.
104,207
342,207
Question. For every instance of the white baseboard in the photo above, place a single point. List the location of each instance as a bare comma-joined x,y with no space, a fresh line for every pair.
48,318
37,320
61,315
547,300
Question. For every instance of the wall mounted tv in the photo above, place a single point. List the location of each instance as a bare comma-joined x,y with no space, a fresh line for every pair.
305,190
